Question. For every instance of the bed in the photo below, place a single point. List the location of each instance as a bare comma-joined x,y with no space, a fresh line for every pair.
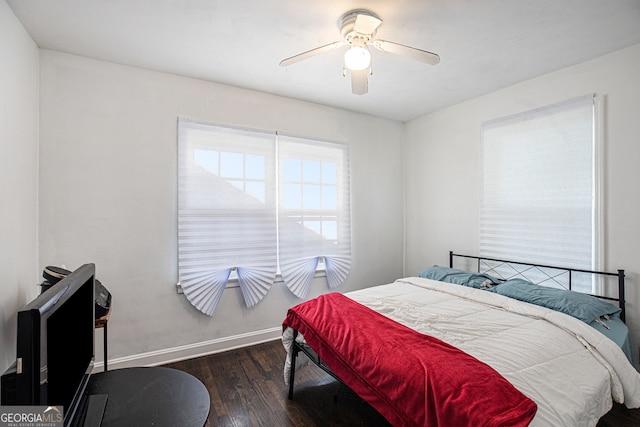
474,346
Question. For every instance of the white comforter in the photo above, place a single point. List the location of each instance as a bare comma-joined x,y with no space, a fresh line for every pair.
568,368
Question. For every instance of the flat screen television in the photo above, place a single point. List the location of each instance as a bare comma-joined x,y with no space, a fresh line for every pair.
55,345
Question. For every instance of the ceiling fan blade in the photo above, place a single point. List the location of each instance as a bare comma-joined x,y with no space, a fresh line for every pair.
312,52
366,24
411,52
359,82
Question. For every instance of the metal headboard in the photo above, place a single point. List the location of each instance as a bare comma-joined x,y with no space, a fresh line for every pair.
520,269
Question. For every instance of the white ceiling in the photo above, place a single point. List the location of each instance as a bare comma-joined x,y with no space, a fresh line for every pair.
483,45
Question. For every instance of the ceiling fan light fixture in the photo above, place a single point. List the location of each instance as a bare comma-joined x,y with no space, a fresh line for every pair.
357,58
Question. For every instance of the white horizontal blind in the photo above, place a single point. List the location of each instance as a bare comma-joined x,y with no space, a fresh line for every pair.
537,195
226,212
259,204
314,214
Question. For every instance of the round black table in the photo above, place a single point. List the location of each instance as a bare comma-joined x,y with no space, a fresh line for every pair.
152,396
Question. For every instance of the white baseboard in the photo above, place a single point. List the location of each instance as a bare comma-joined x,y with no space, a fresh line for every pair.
169,355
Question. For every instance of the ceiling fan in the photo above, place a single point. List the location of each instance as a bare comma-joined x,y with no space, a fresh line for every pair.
358,27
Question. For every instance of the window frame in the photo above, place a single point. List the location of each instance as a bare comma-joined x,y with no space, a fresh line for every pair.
596,147
236,275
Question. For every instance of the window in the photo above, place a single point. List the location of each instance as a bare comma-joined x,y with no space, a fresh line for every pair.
539,187
259,204
313,214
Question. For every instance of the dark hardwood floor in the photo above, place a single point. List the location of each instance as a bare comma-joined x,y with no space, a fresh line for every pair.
247,389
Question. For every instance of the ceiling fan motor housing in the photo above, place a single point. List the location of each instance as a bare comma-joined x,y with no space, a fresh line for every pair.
358,36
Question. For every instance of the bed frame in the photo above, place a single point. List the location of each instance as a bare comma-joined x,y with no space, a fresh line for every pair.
547,274
558,276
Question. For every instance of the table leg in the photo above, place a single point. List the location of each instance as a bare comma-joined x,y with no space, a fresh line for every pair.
104,345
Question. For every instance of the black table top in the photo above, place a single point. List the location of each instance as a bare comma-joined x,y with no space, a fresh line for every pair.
151,396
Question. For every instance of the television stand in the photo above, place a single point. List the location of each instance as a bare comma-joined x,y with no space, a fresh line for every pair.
96,404
150,396
102,322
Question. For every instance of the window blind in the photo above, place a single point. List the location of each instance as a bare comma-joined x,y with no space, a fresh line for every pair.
259,204
314,214
538,186
226,212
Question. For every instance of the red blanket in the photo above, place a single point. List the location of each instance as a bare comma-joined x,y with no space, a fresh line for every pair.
412,379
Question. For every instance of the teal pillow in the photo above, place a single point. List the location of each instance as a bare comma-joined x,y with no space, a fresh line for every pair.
581,306
459,277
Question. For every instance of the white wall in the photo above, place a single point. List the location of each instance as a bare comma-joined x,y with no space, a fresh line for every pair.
18,176
108,196
442,162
